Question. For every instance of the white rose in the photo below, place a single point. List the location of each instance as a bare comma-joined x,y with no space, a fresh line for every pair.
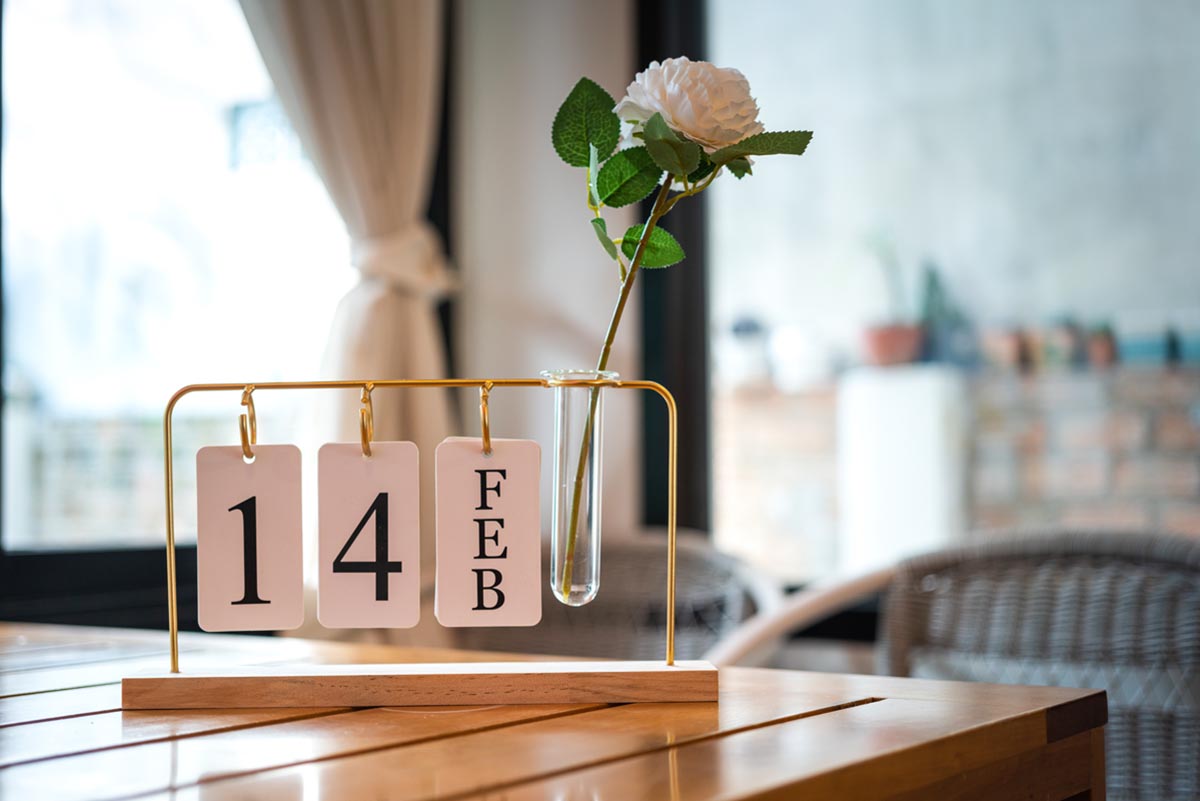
710,105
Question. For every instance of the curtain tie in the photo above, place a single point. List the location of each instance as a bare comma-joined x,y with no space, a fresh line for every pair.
410,258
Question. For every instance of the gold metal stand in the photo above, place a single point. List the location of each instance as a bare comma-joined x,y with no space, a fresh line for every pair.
534,682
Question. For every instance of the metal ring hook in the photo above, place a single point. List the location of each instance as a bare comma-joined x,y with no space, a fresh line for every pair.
366,419
485,424
248,423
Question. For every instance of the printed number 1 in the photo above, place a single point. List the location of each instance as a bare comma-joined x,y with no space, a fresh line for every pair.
381,567
249,510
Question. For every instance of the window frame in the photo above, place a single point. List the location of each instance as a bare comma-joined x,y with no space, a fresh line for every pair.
127,586
675,308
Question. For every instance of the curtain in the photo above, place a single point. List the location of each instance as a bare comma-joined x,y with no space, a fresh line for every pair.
361,82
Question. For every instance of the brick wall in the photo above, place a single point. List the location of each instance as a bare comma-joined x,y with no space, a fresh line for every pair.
1110,450
1118,449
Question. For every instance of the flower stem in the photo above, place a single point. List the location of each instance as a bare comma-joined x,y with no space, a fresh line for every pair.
659,209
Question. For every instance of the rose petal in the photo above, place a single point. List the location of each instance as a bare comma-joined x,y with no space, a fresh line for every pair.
708,104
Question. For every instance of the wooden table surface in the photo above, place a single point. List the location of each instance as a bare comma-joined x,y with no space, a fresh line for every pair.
774,734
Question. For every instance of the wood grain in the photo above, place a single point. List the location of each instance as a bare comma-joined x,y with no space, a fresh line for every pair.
34,707
1098,790
997,699
76,735
158,766
64,678
195,656
474,761
1078,715
870,751
425,685
752,701
93,675
774,734
40,657
1056,771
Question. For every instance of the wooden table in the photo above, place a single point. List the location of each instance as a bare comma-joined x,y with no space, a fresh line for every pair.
774,734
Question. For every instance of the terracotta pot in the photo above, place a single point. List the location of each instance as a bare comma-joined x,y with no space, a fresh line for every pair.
1101,349
886,345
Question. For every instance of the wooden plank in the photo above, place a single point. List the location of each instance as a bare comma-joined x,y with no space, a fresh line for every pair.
22,639
426,685
22,635
1099,785
55,693
75,676
871,751
15,650
196,655
473,762
33,707
19,709
77,735
748,701
1078,715
63,654
158,766
999,699
19,694
1054,772
626,752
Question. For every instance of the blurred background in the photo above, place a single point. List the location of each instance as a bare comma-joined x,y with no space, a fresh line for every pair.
973,306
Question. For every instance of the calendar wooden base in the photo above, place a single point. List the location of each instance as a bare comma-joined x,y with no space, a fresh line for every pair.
424,685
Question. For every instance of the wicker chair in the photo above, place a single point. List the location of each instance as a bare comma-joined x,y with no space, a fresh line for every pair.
1120,612
627,619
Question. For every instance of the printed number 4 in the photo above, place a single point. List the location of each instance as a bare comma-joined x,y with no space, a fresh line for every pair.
381,567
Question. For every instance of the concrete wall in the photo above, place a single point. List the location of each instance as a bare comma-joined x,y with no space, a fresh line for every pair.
538,291
1045,153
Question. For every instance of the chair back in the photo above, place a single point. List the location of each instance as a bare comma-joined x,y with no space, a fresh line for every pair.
1112,611
627,620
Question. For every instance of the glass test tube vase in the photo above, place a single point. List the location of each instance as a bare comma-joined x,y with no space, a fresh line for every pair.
576,491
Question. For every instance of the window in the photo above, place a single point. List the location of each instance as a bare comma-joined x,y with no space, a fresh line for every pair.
161,227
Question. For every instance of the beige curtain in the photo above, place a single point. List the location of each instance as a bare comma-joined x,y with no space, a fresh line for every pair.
361,82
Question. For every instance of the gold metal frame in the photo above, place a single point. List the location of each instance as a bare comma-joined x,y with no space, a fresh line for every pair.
249,430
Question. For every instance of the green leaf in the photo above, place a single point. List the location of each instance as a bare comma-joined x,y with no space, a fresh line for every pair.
740,168
765,144
661,250
669,150
585,117
593,169
627,177
601,228
700,173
